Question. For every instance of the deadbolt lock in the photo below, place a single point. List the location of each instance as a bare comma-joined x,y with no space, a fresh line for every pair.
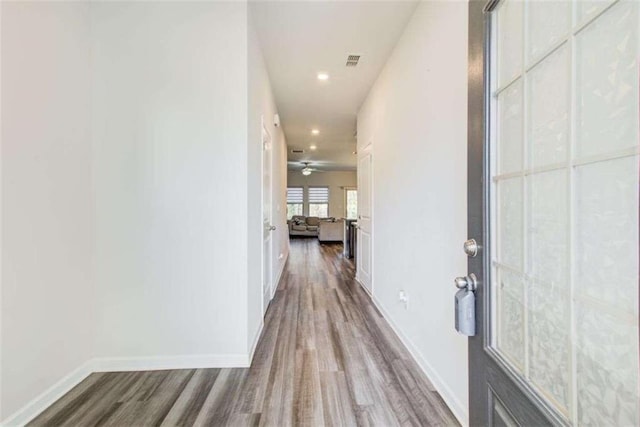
471,247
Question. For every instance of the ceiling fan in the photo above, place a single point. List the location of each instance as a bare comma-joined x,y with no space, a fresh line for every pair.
306,171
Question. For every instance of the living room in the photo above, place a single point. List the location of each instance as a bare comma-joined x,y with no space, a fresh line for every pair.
320,202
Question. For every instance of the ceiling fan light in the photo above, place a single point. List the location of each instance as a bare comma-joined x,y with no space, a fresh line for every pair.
306,171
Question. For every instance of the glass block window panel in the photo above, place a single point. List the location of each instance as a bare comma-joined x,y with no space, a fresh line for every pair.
549,22
510,130
549,342
549,97
510,223
587,9
606,226
510,40
606,366
565,205
607,81
510,336
548,227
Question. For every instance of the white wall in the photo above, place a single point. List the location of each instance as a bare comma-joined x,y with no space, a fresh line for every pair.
335,180
47,204
130,170
415,115
262,107
170,172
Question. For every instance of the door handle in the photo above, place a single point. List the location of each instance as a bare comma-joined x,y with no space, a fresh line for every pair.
272,228
469,282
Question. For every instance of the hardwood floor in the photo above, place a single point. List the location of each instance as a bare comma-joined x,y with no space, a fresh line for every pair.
326,357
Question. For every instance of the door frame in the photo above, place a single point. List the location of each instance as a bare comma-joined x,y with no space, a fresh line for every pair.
265,137
507,389
366,151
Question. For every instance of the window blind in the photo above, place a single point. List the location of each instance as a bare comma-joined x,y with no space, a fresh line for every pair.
295,195
318,194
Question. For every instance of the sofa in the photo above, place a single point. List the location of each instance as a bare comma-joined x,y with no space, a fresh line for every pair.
327,230
300,225
331,231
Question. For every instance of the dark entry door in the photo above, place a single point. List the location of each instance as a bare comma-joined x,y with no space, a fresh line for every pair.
553,206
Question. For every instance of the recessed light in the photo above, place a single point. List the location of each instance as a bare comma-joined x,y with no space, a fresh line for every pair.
323,76
315,131
312,147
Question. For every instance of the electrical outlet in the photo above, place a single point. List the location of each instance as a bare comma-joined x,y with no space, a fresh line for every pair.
403,298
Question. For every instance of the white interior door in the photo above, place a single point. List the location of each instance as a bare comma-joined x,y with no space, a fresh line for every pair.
365,244
267,227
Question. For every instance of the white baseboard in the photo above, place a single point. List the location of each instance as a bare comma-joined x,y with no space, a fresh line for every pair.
366,290
32,409
459,410
252,350
276,282
155,363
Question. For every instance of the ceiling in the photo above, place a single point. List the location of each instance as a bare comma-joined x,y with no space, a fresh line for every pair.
299,39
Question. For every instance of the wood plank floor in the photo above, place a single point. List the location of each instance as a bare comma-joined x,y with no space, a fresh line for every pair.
326,357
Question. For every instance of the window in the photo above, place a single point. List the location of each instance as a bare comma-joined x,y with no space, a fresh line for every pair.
295,200
351,203
319,201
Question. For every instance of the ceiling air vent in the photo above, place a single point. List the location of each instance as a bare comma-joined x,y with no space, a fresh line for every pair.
297,151
352,60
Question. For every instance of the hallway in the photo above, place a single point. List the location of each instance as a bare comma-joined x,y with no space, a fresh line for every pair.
326,357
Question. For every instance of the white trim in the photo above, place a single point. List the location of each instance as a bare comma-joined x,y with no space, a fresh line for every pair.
367,291
32,409
276,282
1,240
265,148
153,363
458,408
366,151
256,339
